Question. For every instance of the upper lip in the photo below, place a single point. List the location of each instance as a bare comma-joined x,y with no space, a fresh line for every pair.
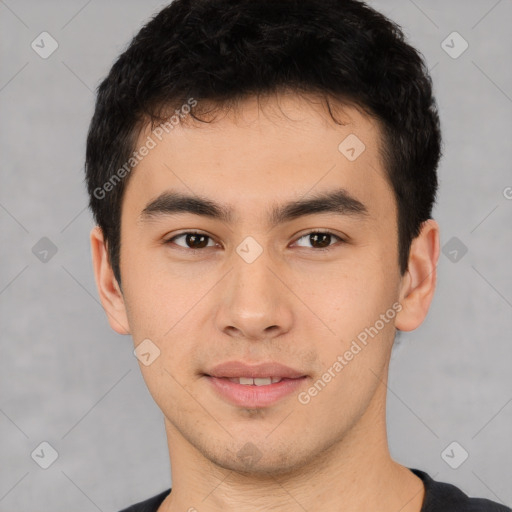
233,369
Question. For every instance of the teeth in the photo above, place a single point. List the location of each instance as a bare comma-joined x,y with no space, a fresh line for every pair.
247,381
263,382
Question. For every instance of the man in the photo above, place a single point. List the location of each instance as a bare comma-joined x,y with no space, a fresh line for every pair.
262,175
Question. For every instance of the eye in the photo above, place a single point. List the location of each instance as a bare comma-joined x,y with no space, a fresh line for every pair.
320,240
192,240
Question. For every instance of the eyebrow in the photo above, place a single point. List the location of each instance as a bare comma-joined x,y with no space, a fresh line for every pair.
338,201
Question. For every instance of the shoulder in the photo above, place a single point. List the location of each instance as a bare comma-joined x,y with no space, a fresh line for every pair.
443,497
149,505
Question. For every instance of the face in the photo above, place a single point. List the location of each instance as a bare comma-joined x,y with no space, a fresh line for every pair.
285,254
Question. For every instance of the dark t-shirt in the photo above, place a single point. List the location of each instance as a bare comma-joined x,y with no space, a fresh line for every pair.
439,497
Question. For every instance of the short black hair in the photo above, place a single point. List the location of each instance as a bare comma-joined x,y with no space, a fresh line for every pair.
220,52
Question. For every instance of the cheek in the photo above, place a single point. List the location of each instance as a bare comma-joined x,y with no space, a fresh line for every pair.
158,294
161,309
346,297
164,305
359,308
361,312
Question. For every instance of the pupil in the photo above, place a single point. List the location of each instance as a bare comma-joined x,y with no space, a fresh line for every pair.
192,239
315,238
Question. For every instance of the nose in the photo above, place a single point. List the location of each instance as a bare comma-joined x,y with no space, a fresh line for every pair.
254,302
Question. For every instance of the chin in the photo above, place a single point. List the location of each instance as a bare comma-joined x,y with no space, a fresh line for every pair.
256,459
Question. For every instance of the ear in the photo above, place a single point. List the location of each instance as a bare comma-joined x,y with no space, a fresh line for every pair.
419,281
110,293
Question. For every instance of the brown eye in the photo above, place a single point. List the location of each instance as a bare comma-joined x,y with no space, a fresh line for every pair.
191,240
319,239
196,241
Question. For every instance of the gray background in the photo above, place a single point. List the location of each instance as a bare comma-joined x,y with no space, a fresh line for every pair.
67,379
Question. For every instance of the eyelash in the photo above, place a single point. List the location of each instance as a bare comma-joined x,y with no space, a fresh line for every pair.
313,231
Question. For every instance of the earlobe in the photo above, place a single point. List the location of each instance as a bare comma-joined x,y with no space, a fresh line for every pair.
419,282
109,291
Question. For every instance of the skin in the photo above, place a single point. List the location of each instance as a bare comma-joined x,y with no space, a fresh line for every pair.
294,304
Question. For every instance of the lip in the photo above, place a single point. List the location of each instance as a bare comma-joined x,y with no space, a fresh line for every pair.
231,369
254,397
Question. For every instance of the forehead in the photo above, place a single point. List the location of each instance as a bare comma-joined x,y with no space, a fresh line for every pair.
264,151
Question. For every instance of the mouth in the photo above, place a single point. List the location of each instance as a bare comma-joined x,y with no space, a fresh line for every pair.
241,370
255,386
254,393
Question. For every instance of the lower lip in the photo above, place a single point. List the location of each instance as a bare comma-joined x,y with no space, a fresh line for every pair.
254,396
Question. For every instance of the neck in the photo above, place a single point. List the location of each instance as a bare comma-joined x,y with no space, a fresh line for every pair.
356,473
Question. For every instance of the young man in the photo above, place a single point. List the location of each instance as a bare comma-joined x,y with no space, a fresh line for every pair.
262,175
